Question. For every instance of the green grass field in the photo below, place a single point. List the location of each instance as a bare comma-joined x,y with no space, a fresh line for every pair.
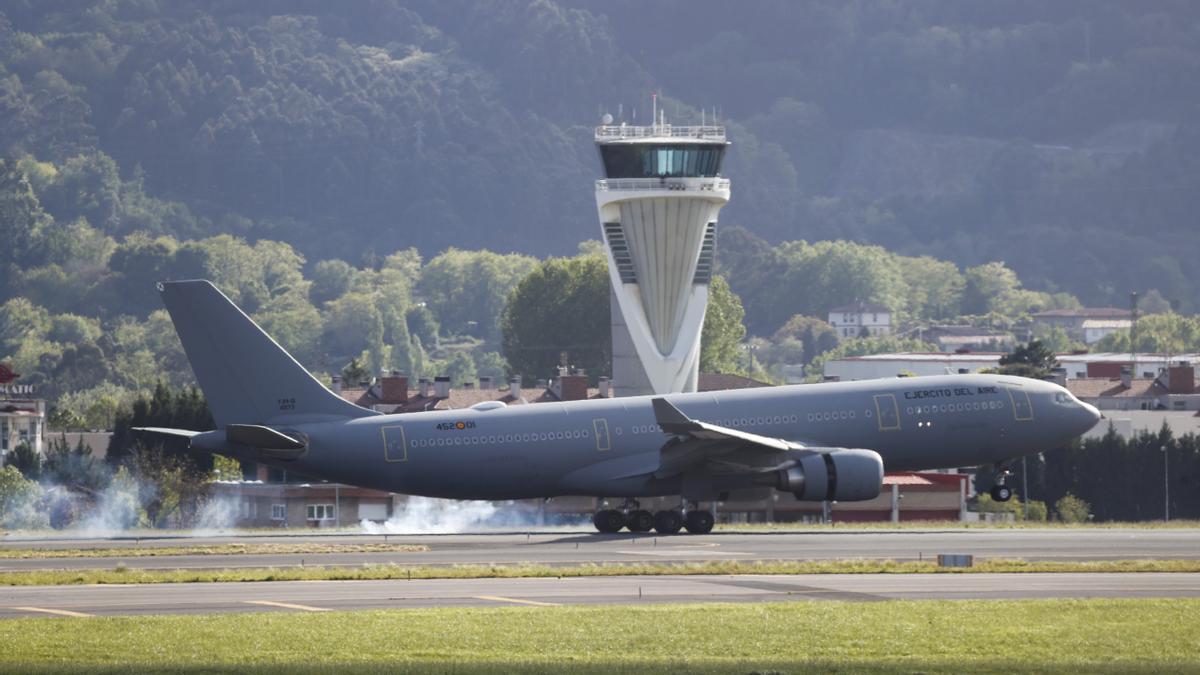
1086,636
125,575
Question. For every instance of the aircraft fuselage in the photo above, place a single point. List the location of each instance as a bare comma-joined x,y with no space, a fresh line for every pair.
611,447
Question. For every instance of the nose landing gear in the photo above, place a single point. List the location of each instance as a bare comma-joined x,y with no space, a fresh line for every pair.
1001,492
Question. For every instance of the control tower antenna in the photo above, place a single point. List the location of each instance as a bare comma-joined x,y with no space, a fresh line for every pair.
658,207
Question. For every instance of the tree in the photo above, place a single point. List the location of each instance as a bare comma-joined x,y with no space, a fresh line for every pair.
561,306
19,499
467,290
22,220
185,409
423,324
73,466
226,468
1033,359
986,285
460,367
723,330
331,279
87,186
354,324
354,373
21,321
1072,509
139,262
26,460
935,287
816,336
1056,339
1164,333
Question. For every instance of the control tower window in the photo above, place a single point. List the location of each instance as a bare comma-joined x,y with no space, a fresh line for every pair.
661,161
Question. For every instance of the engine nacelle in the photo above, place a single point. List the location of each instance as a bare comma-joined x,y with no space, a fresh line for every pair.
849,475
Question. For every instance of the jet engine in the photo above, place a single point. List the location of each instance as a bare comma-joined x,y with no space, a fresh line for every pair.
847,475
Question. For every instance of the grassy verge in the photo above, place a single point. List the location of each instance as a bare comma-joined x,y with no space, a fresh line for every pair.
123,575
213,549
955,525
899,636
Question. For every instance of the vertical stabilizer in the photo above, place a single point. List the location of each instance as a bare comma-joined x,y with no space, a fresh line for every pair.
245,375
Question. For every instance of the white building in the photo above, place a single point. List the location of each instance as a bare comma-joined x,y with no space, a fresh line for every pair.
658,207
1096,329
853,320
1073,320
908,363
22,419
1075,366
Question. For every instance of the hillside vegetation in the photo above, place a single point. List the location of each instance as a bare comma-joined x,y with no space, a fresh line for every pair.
371,181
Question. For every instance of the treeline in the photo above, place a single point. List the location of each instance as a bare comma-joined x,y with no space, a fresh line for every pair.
143,481
1120,479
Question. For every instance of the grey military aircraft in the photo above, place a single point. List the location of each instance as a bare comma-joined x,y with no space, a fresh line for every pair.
819,442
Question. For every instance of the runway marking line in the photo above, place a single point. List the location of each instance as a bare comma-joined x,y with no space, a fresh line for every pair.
500,598
684,552
286,605
58,612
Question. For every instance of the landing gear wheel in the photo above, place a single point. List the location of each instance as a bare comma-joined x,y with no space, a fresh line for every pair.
1001,493
608,521
699,522
668,522
639,521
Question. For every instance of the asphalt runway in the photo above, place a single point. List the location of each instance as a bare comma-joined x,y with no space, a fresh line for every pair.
320,596
569,548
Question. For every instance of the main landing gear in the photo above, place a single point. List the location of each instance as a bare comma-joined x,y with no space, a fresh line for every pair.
632,517
1001,492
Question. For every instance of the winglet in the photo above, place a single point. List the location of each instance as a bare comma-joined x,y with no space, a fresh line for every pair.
671,419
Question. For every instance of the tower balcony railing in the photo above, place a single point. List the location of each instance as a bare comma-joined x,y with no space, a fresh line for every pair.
614,132
702,184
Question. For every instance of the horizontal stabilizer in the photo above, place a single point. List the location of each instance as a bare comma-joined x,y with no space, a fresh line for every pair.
261,437
182,433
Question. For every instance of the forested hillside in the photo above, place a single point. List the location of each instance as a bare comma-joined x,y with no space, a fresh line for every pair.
1061,138
371,180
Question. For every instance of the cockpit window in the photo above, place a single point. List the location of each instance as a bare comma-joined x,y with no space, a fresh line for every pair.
1062,398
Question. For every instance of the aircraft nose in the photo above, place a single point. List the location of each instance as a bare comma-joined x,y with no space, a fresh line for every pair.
1093,415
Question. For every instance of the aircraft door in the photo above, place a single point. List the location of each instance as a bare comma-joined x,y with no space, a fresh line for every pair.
603,443
1021,407
394,447
887,412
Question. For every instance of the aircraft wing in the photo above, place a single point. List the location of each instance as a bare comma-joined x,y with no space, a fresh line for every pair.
719,449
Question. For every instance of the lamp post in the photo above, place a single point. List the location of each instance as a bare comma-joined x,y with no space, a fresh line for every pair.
1166,486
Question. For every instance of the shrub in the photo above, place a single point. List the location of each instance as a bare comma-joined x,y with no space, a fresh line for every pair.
1072,509
1035,511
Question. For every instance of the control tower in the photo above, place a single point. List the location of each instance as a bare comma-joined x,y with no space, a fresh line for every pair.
658,206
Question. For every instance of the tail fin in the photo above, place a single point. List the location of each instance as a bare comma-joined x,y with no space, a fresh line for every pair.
245,375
